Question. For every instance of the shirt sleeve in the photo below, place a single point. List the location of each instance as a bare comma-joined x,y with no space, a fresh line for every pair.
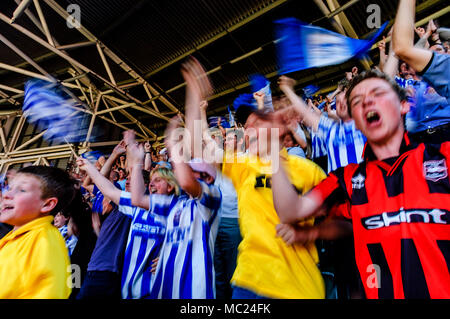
125,206
331,191
211,196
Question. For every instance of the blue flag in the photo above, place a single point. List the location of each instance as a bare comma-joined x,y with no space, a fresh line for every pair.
92,156
50,108
310,90
302,46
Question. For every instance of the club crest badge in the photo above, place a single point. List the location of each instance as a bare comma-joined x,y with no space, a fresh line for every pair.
176,218
435,170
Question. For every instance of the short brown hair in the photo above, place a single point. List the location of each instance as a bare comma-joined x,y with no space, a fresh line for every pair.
54,183
401,93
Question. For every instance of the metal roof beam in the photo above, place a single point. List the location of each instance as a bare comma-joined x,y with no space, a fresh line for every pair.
64,14
218,36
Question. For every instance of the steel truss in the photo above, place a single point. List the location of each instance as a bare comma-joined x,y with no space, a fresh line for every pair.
104,104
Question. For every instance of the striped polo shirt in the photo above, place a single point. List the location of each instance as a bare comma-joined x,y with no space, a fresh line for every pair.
185,268
145,238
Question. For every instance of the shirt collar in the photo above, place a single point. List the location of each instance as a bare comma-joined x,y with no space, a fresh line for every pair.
369,155
34,224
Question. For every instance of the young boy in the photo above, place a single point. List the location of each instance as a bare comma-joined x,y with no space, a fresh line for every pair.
397,198
34,258
266,266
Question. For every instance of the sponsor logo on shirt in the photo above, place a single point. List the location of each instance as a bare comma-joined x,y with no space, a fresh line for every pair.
177,234
148,230
409,216
358,181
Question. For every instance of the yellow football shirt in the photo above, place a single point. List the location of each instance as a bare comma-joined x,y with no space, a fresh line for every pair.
265,264
34,262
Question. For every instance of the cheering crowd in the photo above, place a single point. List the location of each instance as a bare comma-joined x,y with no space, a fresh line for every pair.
341,196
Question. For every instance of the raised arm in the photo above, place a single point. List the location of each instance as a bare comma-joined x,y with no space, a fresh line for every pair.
289,205
198,88
310,119
423,37
148,156
313,108
391,65
135,157
203,117
403,37
220,127
88,184
183,172
383,56
259,97
117,151
104,185
338,90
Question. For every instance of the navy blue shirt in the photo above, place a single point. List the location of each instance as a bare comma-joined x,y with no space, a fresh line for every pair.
428,109
431,109
111,243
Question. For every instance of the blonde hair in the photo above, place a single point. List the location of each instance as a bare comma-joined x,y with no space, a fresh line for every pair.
168,176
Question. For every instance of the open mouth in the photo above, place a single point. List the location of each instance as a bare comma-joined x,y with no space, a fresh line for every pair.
6,208
372,117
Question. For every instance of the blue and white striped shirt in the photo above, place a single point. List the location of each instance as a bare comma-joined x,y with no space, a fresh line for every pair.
185,268
71,241
145,238
318,148
344,142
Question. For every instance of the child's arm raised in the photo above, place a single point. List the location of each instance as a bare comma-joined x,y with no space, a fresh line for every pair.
183,172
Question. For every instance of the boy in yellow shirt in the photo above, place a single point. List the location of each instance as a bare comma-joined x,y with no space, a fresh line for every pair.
266,266
34,261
